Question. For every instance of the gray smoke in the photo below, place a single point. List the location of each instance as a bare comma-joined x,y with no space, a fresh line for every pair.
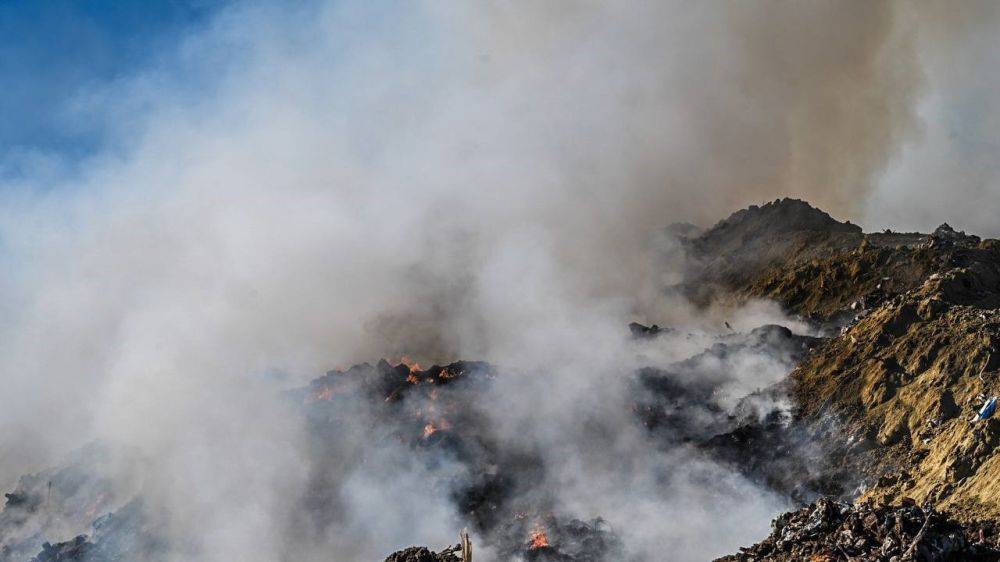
947,172
350,180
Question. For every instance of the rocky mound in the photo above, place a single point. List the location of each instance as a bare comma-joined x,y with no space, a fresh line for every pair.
725,260
814,265
827,531
757,224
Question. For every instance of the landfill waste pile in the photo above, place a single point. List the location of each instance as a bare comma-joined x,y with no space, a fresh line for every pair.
880,391
827,531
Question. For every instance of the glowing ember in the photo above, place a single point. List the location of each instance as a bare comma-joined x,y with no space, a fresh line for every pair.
431,427
410,363
539,538
429,430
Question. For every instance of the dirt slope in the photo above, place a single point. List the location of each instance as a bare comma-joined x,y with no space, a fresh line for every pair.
913,356
910,375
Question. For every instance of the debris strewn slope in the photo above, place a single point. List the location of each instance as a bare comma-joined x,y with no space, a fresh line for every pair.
912,356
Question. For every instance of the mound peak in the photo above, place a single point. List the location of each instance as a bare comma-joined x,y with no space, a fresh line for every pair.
780,215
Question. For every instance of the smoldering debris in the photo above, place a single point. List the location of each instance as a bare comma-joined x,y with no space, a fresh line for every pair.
553,539
537,539
695,399
391,418
65,500
126,534
500,484
829,531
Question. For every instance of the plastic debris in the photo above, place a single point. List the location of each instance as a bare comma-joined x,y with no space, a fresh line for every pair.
988,409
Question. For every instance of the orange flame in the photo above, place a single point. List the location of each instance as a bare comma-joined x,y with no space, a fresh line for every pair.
431,428
410,363
539,538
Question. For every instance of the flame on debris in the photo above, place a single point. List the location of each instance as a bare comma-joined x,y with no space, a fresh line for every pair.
328,391
413,366
431,428
539,538
410,363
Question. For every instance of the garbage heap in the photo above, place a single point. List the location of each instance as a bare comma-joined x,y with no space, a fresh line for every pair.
826,531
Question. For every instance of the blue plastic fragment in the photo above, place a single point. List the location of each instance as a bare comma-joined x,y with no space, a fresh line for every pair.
988,409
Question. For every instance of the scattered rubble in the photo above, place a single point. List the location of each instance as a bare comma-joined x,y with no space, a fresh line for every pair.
946,236
422,554
828,531
126,534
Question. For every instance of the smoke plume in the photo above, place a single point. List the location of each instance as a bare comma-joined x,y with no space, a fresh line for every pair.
295,189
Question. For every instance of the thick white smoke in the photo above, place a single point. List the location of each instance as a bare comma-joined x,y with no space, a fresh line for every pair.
350,180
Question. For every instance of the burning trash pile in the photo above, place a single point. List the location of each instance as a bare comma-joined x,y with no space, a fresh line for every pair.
553,539
461,552
436,413
826,531
543,539
433,420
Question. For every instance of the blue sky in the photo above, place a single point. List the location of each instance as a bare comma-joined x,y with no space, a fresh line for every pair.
53,51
